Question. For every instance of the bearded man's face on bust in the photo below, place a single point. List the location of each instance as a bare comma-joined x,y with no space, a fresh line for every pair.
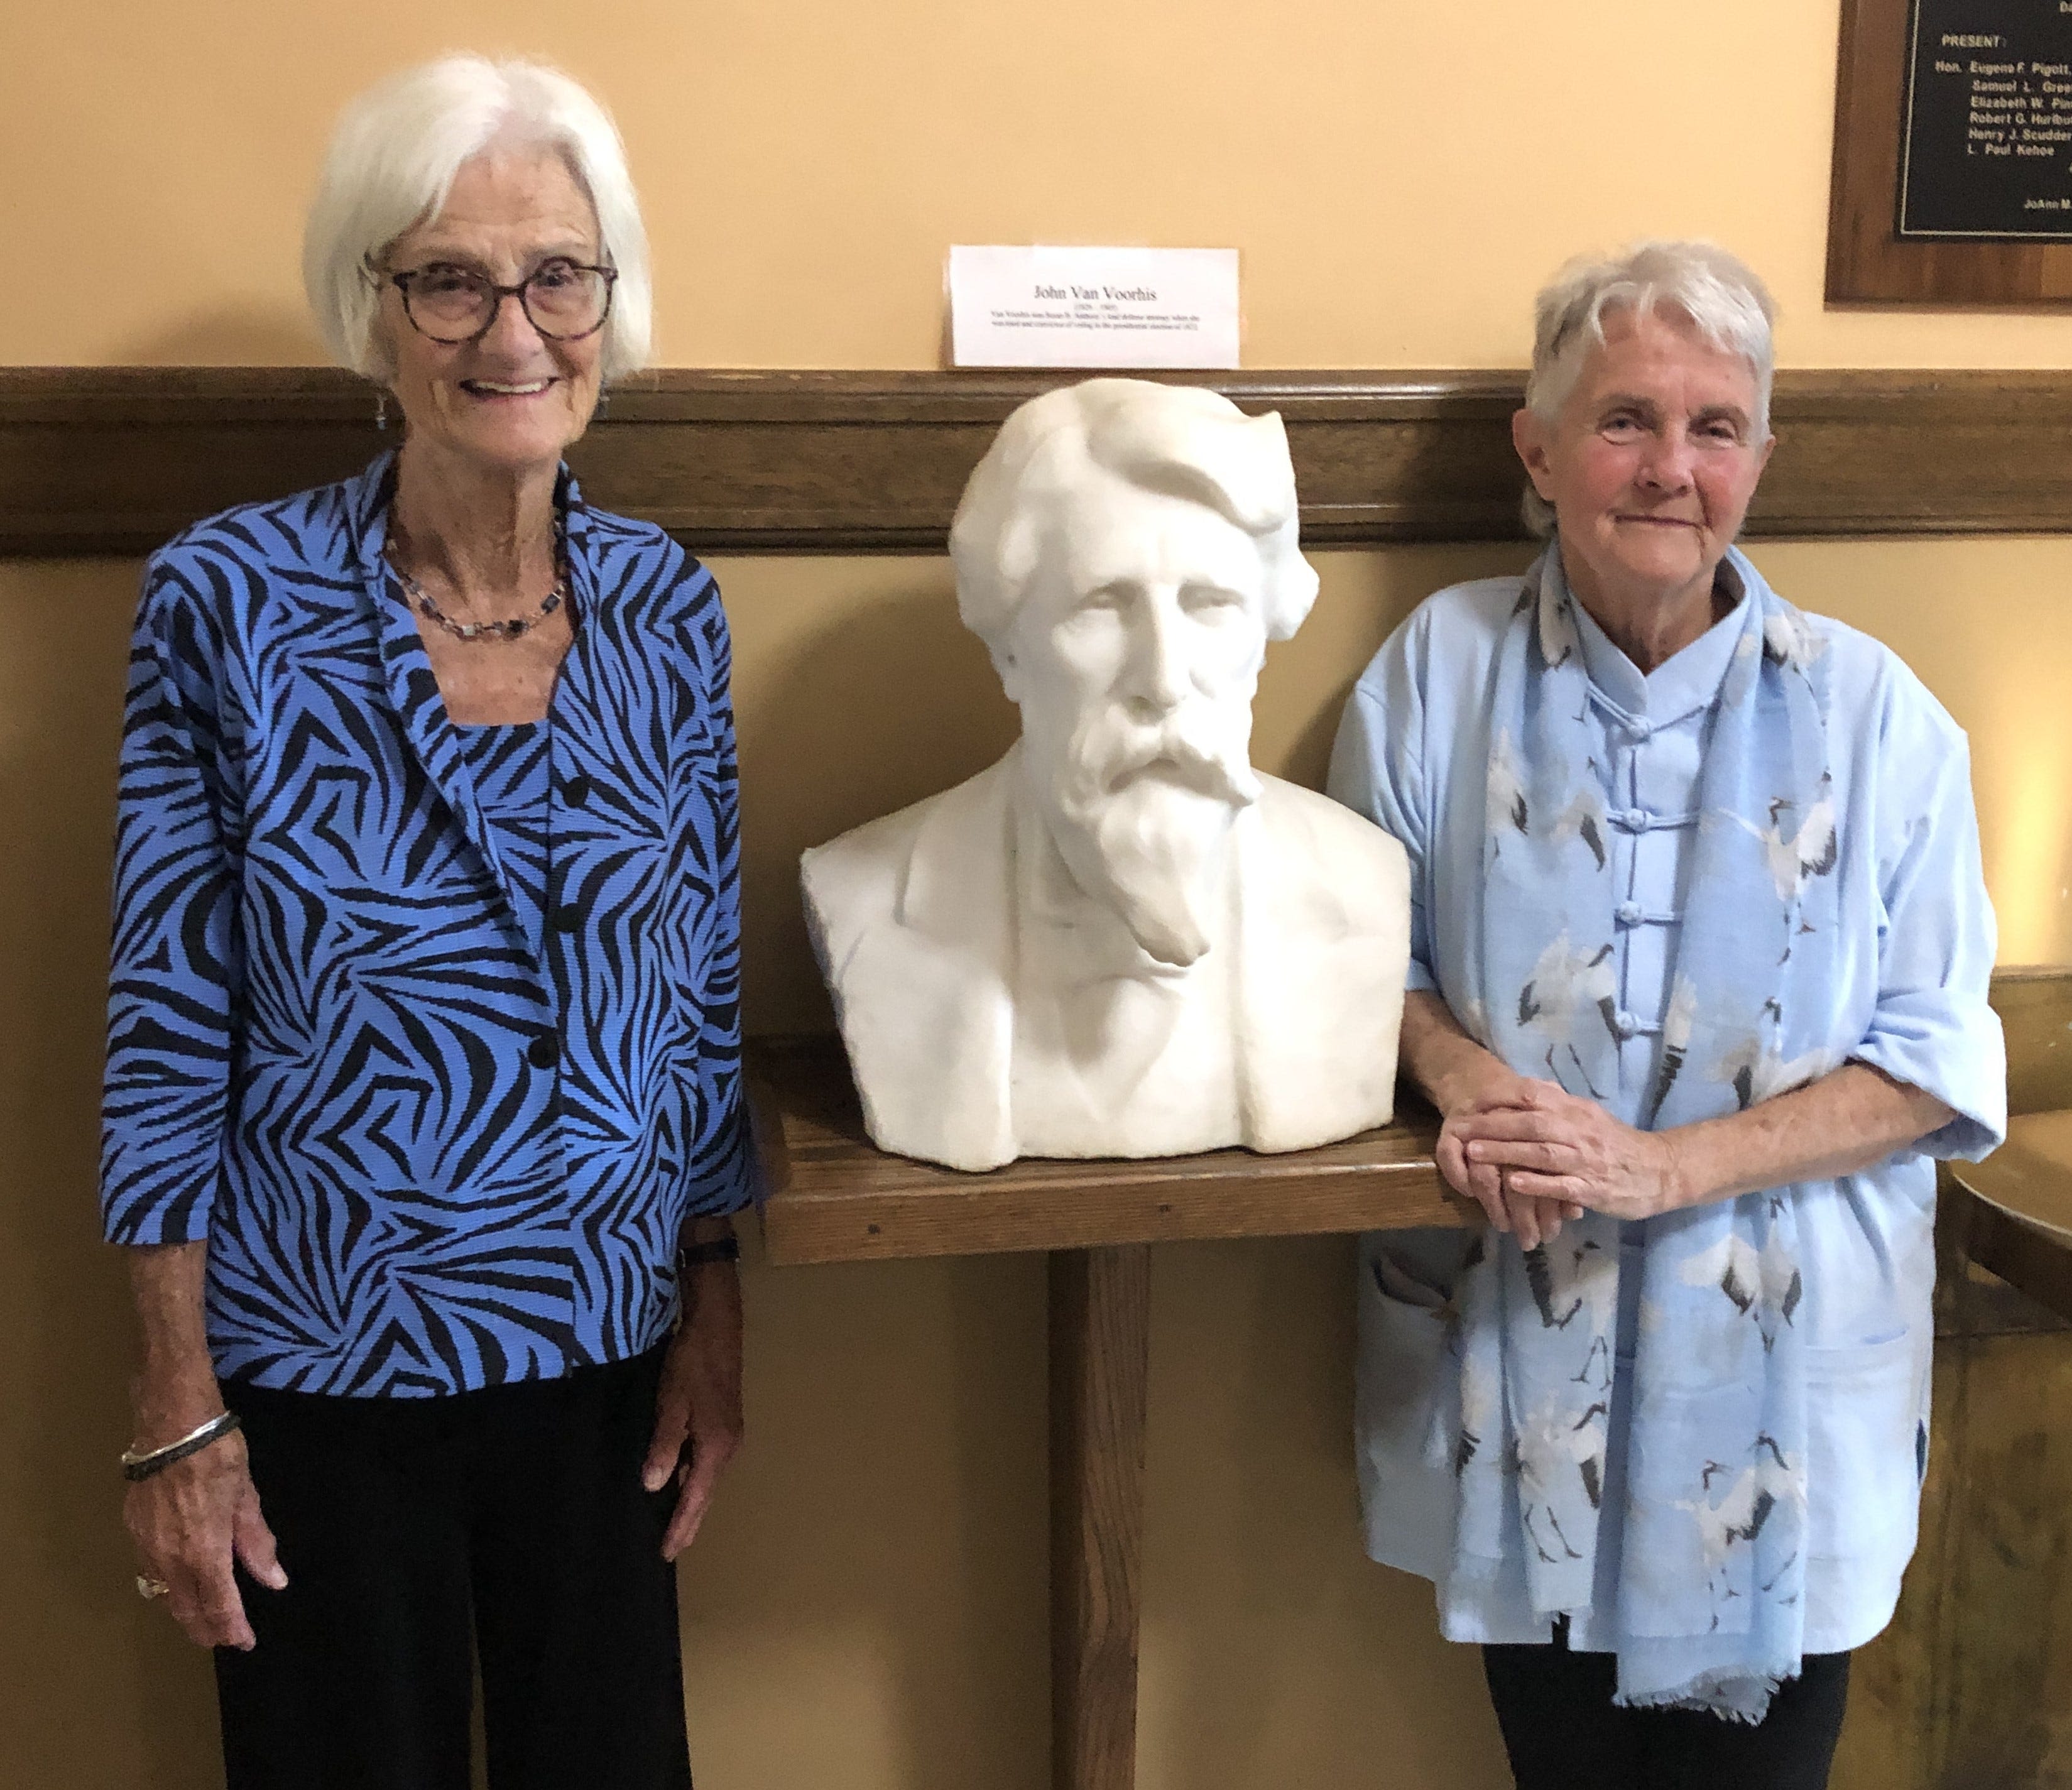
1134,655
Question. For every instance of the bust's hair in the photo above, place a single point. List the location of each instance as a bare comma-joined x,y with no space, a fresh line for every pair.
1714,292
1182,440
392,160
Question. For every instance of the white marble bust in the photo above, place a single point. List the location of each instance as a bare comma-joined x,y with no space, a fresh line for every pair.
1120,939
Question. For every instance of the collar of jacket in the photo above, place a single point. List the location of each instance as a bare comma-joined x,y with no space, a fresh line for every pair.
407,669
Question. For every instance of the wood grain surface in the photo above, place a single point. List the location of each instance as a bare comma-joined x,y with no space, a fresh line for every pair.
1101,1339
116,460
2035,1006
2035,1262
840,1199
2010,1213
1868,263
1971,1687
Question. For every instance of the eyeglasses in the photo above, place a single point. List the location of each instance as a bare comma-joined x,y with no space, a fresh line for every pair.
564,300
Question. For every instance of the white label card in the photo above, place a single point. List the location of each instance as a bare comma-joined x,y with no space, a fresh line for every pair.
1093,307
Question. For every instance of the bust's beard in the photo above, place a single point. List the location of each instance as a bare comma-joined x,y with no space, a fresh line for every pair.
1141,815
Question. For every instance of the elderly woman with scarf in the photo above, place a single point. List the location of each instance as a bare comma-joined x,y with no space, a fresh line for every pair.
1698,986
424,1110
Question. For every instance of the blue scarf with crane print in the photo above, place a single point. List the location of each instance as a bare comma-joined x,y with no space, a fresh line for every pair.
1710,1579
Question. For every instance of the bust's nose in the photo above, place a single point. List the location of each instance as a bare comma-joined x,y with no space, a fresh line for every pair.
1155,674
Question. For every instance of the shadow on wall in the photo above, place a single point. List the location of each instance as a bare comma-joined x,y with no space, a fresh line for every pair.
856,691
875,1564
99,1688
1275,1653
232,336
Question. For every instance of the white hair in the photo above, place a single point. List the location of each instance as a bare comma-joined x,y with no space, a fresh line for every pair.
392,163
1714,292
1183,439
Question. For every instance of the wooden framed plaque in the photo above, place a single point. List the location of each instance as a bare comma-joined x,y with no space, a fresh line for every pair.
1953,153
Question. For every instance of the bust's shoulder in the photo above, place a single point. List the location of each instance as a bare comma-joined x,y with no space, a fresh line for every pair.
864,870
1335,839
868,858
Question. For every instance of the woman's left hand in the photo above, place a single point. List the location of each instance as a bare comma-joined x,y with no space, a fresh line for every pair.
1557,1145
697,1411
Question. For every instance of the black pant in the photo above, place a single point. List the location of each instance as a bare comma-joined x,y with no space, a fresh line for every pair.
512,1517
1563,1732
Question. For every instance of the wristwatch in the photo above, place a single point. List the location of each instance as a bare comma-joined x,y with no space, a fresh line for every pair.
696,1255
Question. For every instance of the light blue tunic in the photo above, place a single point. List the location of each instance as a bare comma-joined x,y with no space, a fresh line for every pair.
1411,754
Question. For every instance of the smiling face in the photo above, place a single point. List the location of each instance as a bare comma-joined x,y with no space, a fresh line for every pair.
1133,657
512,400
1651,462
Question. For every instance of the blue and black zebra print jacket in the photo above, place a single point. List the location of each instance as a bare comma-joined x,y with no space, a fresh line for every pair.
431,1146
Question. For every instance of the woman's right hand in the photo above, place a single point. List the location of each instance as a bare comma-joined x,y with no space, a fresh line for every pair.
1464,1079
1495,1087
190,1522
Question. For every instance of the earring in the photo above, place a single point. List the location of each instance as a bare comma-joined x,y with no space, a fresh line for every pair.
381,410
604,402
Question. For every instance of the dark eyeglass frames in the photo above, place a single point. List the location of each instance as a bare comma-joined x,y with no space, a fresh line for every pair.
564,300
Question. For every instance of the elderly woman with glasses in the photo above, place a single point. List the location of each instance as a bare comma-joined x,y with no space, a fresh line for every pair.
1698,986
423,1108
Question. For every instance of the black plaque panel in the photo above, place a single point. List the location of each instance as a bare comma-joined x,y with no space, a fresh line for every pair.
1986,142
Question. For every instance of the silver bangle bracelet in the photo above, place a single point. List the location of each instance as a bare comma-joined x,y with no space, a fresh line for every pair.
141,1465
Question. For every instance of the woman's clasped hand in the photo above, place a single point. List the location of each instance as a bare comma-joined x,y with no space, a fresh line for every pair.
1532,1155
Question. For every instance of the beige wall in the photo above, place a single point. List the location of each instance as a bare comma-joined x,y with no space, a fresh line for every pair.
866,1607
1399,176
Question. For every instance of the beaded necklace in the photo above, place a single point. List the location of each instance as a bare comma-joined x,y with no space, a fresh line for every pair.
512,630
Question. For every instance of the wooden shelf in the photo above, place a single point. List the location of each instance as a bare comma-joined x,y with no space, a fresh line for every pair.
838,1198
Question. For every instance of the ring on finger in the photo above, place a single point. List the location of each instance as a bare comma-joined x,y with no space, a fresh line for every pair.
148,1587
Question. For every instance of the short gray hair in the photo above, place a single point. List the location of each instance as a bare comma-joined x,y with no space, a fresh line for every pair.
1716,293
393,160
1184,440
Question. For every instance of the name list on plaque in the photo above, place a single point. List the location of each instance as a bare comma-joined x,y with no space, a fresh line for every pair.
1093,307
1986,135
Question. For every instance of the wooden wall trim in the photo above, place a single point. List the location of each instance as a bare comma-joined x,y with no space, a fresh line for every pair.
113,460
